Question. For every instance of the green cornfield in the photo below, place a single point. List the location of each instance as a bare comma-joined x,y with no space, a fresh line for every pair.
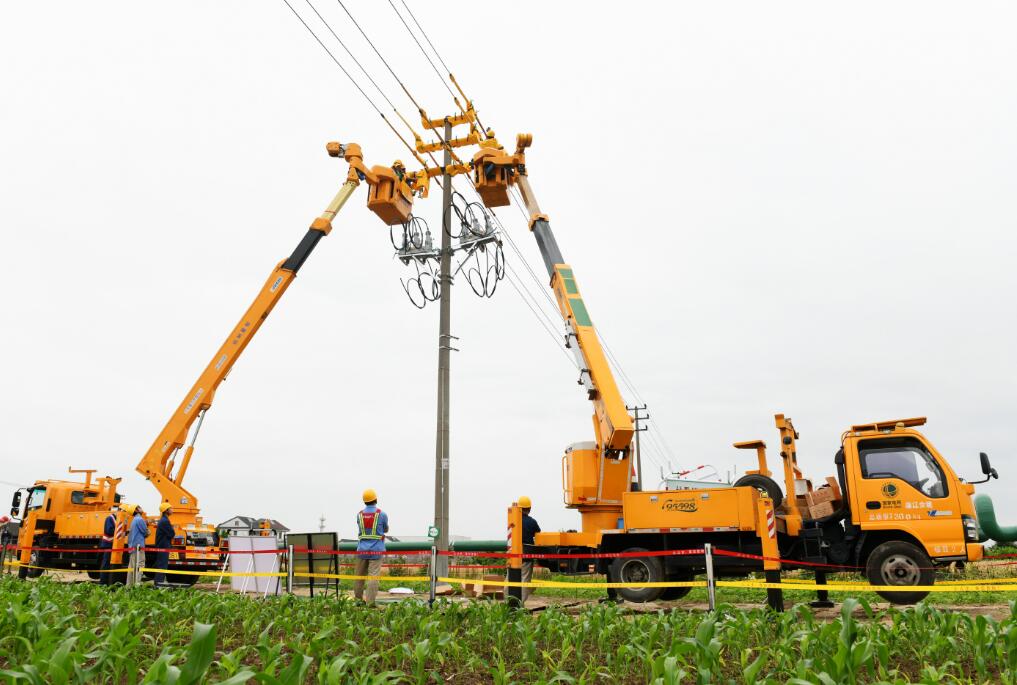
82,633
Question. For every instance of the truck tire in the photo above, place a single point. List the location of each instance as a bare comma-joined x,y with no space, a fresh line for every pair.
764,484
900,563
637,570
35,559
672,593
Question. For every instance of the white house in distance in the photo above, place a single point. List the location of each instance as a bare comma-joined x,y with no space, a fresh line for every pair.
248,525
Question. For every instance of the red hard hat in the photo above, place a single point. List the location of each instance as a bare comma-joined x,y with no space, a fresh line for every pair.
4,519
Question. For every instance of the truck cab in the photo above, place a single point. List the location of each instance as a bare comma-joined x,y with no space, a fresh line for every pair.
64,514
905,509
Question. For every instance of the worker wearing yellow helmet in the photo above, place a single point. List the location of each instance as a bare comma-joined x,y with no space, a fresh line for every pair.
164,534
530,530
372,524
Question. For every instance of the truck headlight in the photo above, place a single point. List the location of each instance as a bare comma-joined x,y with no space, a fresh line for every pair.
970,528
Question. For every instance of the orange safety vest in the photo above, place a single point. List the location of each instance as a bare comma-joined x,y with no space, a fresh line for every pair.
368,521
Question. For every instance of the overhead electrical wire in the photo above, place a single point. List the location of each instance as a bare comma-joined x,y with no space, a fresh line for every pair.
452,78
517,201
519,285
383,60
424,34
350,76
423,51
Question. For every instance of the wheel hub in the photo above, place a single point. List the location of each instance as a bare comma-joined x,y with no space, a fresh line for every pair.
900,570
635,572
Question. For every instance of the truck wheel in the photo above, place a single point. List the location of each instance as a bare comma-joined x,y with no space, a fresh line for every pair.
900,563
764,484
672,593
637,570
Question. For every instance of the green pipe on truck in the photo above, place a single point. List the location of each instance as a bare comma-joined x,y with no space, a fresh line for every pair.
988,527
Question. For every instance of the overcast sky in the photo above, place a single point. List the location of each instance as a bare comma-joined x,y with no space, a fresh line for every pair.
803,208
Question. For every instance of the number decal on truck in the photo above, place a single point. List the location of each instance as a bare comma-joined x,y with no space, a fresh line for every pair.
686,505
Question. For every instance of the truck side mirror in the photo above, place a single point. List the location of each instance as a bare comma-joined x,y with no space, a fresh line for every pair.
986,466
16,502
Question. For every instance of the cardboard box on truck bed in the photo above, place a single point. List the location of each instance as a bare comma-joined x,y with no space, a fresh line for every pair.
820,510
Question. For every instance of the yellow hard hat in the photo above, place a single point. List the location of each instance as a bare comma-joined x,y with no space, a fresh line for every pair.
370,496
524,502
130,509
163,507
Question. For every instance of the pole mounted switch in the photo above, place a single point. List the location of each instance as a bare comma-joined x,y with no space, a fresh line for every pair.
335,149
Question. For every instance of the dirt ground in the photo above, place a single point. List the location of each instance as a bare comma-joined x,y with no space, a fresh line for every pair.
997,611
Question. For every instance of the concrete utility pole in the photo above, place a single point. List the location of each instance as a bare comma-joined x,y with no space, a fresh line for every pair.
441,459
639,429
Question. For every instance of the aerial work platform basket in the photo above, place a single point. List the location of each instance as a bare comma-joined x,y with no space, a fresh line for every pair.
389,197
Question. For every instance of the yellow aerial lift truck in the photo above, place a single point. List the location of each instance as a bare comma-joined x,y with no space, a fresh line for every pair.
61,519
902,513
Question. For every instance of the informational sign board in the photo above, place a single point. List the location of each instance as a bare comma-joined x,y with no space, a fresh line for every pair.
315,553
243,561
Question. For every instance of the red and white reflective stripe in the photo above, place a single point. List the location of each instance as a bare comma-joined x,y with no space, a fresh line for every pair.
771,524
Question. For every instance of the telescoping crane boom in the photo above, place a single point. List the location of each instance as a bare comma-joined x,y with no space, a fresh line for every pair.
895,507
159,464
61,518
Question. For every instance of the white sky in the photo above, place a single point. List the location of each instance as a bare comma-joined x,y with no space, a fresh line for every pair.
784,207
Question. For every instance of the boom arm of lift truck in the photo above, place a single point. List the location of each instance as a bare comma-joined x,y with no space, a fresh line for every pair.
612,423
159,463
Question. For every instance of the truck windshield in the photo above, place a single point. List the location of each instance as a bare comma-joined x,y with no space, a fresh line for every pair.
37,498
906,461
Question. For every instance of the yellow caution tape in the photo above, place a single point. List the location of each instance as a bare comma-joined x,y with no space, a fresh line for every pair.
343,576
561,584
148,570
217,574
985,585
64,570
844,587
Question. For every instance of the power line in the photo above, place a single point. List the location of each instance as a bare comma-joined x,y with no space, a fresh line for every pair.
424,34
337,63
550,332
350,76
352,56
378,53
423,51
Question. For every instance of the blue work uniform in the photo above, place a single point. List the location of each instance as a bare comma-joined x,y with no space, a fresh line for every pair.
164,534
109,530
530,529
138,533
372,524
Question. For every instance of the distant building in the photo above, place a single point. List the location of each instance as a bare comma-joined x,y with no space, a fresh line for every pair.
248,525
